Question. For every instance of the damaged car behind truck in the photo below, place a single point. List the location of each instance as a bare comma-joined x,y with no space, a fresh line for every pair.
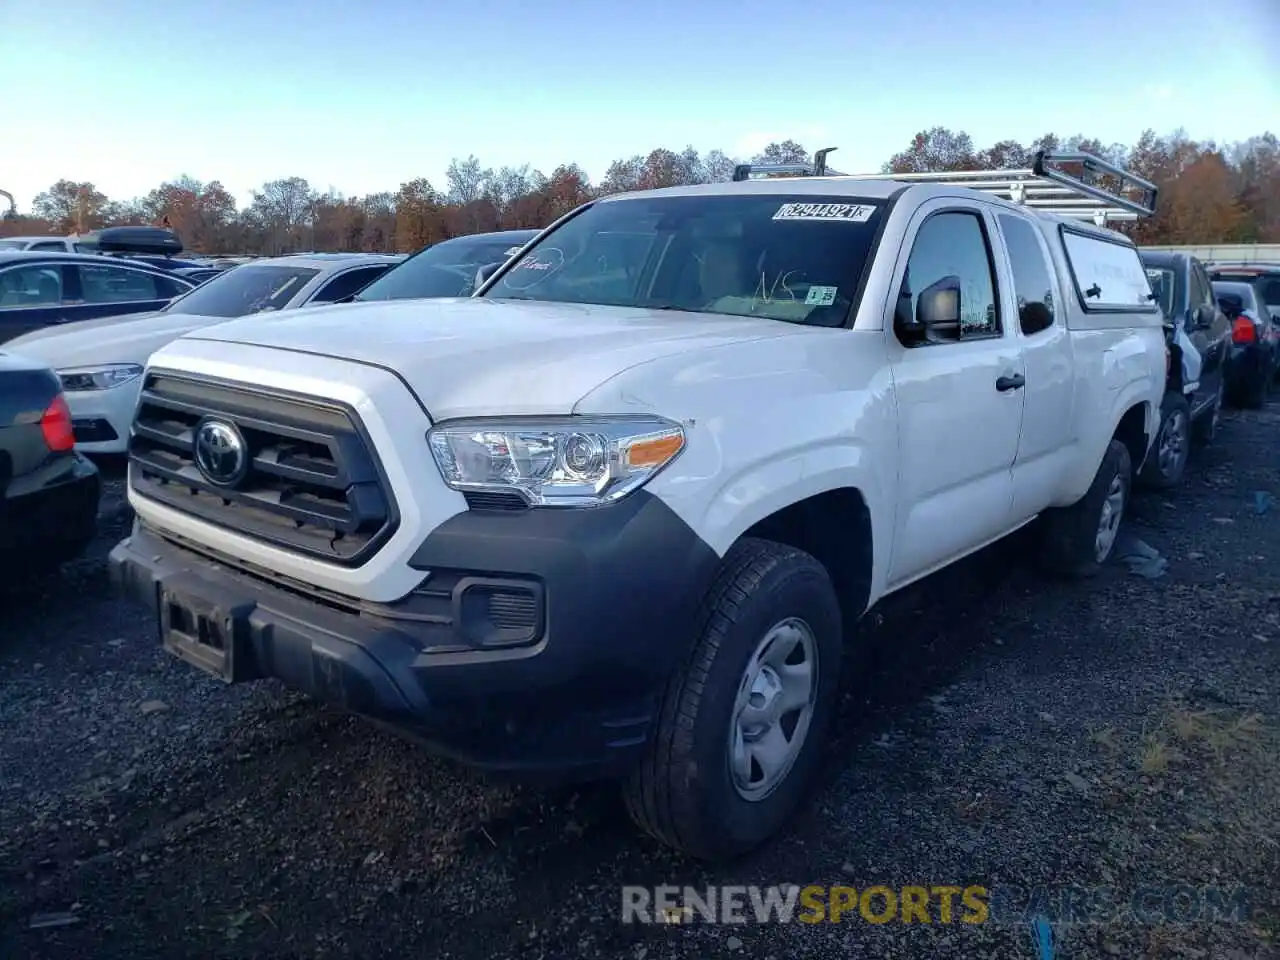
618,513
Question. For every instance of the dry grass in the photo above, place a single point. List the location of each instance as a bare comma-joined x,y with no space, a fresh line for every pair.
1201,741
1212,778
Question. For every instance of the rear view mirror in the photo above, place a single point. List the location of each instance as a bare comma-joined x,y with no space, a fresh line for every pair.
484,273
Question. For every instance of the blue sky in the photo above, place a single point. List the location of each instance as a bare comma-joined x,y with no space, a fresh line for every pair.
363,96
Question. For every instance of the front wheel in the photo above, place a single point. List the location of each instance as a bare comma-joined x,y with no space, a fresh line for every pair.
1168,458
1077,540
738,738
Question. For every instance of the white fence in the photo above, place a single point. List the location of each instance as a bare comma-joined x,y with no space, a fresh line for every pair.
1230,252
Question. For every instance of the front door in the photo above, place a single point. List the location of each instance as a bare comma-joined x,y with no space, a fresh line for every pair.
33,295
959,401
1211,343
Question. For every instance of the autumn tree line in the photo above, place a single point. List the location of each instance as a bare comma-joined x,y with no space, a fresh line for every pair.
1210,193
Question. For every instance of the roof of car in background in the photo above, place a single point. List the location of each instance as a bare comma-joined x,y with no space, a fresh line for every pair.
33,237
93,259
323,261
508,235
1163,257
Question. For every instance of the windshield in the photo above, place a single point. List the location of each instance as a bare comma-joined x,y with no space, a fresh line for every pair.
1163,281
13,244
776,256
446,270
244,290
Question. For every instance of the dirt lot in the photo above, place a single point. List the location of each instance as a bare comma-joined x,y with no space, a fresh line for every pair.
1000,731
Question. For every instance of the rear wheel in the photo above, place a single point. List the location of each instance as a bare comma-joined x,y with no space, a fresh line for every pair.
1168,458
1077,540
739,734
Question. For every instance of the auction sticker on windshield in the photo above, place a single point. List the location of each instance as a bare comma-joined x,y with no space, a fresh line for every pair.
821,296
846,212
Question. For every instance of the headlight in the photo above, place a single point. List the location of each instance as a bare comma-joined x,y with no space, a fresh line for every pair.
102,377
555,462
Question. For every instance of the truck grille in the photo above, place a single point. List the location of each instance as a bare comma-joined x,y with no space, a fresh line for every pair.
313,483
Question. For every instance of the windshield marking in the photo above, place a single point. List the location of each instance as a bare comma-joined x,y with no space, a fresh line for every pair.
846,212
539,265
766,293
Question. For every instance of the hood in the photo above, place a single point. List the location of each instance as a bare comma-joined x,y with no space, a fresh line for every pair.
128,339
474,357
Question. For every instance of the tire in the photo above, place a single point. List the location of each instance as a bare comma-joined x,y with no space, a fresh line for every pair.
1205,430
683,792
1168,458
1069,544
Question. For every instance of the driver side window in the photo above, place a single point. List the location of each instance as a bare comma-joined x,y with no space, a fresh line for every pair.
951,250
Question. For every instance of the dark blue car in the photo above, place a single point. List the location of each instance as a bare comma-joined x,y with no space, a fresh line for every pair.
41,289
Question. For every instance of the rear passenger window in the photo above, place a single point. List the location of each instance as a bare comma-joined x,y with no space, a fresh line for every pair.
1108,274
955,245
1032,286
112,284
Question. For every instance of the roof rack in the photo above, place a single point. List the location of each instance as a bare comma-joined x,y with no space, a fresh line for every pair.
818,168
1101,191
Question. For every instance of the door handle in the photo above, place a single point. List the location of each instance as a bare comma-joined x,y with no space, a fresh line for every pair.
1015,382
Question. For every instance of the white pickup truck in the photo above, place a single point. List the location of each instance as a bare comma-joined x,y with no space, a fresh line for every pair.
617,513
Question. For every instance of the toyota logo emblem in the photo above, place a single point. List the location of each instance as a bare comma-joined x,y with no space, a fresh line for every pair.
221,453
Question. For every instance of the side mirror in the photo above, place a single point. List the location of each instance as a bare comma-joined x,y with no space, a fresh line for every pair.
484,273
937,313
1205,316
938,309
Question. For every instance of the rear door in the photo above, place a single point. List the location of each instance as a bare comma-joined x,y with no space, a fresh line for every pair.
1211,342
111,289
1045,444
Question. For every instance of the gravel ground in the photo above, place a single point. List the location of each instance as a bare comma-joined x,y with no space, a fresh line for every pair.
1001,731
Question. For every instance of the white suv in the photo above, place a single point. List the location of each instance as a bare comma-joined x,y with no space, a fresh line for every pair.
617,513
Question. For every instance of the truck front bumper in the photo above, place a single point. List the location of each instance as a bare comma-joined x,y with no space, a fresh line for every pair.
560,674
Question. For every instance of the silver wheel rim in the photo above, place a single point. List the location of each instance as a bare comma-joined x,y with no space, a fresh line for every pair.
1173,448
1109,522
773,709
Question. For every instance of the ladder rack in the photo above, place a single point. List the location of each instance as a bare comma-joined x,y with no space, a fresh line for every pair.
1100,192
